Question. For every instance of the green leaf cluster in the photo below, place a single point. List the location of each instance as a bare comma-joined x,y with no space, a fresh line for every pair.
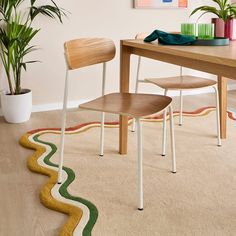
224,10
16,34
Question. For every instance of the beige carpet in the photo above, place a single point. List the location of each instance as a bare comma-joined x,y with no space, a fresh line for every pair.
200,199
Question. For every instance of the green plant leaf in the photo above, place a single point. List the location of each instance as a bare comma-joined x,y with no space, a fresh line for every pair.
52,11
23,64
223,9
206,9
16,34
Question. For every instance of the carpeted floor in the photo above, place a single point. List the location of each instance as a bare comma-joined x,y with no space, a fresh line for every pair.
102,196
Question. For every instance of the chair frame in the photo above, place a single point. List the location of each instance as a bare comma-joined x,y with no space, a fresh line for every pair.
138,80
63,121
139,136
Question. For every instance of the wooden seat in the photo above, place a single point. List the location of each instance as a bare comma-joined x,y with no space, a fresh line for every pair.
90,51
181,82
130,104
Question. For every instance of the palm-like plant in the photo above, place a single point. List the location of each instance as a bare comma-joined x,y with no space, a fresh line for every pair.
16,33
224,11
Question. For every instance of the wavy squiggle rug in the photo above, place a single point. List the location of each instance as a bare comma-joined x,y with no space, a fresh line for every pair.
85,179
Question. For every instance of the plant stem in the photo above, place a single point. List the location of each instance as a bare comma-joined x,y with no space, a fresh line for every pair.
9,83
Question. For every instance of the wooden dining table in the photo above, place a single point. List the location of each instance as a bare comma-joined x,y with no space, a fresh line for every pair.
217,60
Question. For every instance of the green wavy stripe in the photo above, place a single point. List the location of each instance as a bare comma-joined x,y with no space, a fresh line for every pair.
63,189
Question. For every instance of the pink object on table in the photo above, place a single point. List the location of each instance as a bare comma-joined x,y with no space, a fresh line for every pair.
225,29
230,29
219,27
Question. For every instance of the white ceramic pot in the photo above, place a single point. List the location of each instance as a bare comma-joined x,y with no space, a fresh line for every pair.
17,108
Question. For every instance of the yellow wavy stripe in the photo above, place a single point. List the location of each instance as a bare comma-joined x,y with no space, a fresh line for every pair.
75,213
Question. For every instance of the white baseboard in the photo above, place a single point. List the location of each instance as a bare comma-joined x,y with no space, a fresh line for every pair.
74,104
57,106
54,106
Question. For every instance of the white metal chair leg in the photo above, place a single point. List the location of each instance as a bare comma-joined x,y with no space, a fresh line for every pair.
164,130
103,113
181,108
63,126
136,88
217,115
172,136
102,134
140,164
133,125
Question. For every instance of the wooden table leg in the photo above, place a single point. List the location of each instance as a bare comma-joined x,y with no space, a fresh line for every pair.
124,88
222,87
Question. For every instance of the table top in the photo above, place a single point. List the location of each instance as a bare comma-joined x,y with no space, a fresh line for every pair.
224,55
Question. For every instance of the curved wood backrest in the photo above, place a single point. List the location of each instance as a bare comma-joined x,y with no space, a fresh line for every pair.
88,51
142,35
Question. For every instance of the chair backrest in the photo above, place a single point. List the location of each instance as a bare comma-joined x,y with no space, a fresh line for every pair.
142,35
88,51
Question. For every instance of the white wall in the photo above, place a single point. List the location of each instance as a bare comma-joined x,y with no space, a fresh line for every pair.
115,19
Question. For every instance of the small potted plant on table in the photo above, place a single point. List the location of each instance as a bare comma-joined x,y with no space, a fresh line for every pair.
225,23
16,34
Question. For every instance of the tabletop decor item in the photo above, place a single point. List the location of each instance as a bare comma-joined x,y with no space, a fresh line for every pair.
216,41
16,34
160,3
170,38
188,29
225,23
205,31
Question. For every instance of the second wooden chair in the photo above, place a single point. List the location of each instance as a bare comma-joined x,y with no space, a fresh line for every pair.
180,82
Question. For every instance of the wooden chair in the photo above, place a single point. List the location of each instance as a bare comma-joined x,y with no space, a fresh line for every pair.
181,82
90,51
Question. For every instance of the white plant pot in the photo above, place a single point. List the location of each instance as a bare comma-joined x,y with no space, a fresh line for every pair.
16,108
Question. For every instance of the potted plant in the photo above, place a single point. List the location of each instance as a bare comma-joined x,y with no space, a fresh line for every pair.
225,23
16,34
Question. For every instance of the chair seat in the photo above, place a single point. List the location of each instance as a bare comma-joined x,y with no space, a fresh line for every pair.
130,104
182,82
